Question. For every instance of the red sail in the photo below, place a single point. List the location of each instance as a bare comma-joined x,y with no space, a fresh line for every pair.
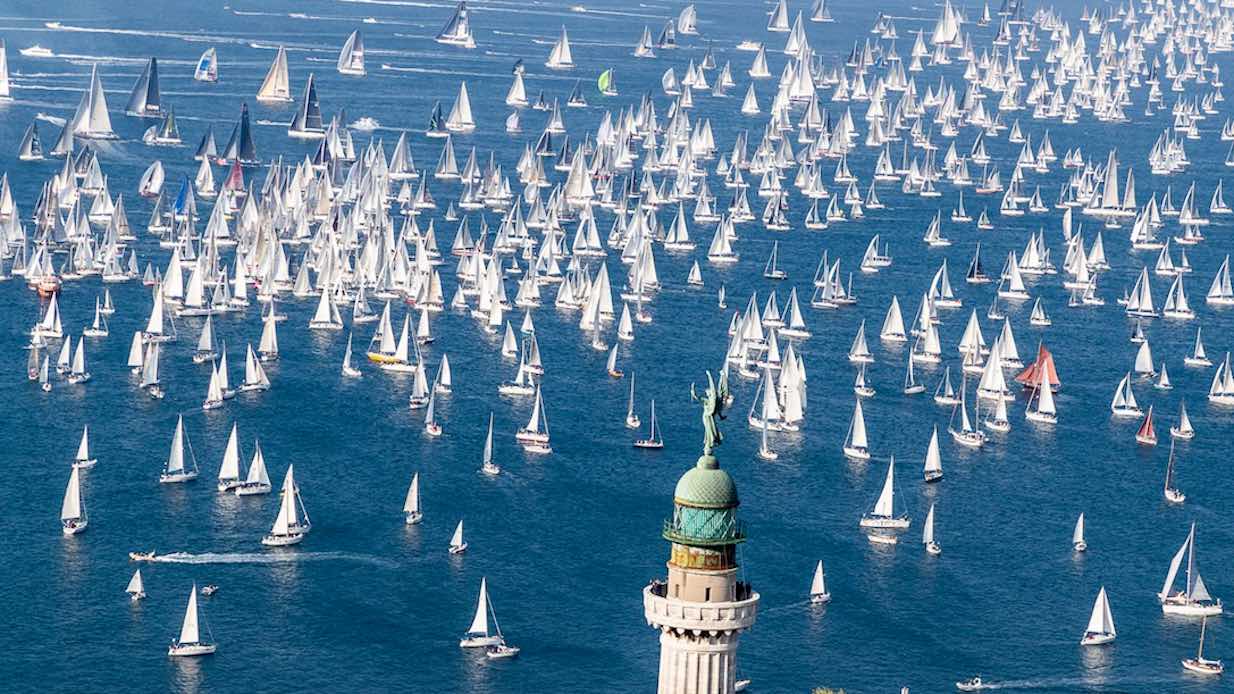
1147,434
1031,376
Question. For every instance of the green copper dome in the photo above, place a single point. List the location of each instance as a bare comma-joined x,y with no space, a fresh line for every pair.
706,486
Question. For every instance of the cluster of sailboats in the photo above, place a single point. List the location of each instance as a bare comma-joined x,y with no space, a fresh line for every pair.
352,226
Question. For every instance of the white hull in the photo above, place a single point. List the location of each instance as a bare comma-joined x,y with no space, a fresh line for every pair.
1096,639
1204,666
857,453
1185,609
479,641
176,477
74,527
191,649
282,540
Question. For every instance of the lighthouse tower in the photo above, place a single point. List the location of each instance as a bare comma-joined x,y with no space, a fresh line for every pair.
701,609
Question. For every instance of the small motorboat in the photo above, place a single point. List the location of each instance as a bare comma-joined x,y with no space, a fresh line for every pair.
209,589
970,685
37,51
141,556
502,650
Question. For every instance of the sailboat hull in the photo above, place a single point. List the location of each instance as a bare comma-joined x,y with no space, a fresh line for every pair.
1095,639
74,527
176,477
1204,666
1191,609
282,540
180,650
479,641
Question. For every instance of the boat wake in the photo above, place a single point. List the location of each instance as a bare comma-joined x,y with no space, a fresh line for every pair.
54,120
267,558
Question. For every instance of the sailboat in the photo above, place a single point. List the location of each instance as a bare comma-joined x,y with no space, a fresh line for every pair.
190,642
292,522
1183,430
1199,664
911,386
771,271
179,467
653,439
276,88
535,436
1041,407
765,451
91,119
1077,535
944,394
632,420
1124,403
1100,627
560,58
431,426
145,99
1147,433
927,535
933,471
83,460
258,479
611,365
488,467
411,505
1198,357
818,586
856,446
460,119
348,369
1193,600
136,587
73,517
207,69
307,123
606,83
351,57
967,434
229,471
478,634
884,516
1172,493
457,544
457,31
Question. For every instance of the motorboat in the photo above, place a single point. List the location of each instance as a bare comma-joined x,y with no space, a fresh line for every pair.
973,684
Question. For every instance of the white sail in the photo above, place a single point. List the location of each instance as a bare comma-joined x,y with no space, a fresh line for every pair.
818,586
479,623
189,632
136,586
229,471
277,85
927,533
885,506
412,503
71,509
1101,621
933,459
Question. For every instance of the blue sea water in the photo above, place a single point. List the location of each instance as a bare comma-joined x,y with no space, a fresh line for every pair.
567,541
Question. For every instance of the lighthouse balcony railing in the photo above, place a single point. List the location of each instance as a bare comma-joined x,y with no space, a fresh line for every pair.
661,610
716,530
